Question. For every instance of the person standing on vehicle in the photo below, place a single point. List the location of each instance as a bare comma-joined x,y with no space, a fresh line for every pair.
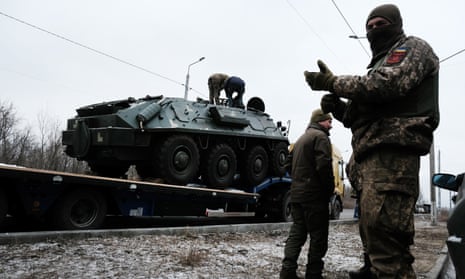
392,112
215,85
312,186
234,85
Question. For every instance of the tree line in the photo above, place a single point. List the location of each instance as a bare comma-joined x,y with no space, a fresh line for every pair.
20,146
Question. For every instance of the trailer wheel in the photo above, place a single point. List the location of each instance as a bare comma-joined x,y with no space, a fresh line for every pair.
336,208
178,159
255,168
80,209
286,215
279,158
220,166
3,206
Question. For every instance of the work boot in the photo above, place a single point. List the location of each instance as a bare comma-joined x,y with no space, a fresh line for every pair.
364,272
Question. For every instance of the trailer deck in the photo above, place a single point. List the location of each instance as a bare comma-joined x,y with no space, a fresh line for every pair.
82,201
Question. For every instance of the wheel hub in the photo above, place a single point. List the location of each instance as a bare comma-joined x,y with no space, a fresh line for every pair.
258,165
181,160
83,213
223,167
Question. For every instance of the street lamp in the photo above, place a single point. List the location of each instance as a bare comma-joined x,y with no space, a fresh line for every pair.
186,85
357,37
360,43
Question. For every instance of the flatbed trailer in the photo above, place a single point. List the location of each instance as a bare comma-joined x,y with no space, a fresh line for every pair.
77,201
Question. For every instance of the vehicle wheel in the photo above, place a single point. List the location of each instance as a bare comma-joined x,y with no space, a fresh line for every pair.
336,208
255,168
278,159
286,215
108,170
220,166
80,209
3,206
178,160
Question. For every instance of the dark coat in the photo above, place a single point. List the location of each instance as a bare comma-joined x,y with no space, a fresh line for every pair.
312,172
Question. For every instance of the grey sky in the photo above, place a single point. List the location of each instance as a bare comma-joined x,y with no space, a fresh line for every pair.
267,43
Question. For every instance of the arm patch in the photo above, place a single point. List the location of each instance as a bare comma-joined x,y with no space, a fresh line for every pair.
397,56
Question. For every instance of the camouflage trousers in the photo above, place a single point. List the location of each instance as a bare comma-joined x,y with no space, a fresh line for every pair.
310,220
390,190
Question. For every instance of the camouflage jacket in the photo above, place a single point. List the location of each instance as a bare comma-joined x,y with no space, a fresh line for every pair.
216,81
312,171
396,104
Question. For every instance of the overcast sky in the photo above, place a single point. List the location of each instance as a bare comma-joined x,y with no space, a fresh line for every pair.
269,43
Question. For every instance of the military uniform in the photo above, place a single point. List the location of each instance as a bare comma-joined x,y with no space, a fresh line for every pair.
392,112
312,185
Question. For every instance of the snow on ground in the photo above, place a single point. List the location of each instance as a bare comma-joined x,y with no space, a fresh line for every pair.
207,255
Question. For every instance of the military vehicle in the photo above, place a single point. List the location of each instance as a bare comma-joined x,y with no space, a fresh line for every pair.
179,141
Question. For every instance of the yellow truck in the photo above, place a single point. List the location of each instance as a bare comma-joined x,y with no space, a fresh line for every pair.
335,203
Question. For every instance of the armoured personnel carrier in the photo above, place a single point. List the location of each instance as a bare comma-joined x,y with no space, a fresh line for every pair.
179,141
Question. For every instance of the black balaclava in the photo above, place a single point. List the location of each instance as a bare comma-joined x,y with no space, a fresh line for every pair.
383,38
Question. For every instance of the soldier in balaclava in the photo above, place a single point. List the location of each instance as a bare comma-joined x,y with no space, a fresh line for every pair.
392,112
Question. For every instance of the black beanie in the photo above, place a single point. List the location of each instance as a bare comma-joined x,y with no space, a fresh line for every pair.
387,11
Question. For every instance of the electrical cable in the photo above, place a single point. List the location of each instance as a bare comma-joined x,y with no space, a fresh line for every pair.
450,56
310,27
347,23
91,49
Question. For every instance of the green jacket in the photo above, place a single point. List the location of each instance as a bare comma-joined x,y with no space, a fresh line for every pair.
312,172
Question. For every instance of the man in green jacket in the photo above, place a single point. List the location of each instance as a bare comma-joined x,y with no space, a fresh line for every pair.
312,186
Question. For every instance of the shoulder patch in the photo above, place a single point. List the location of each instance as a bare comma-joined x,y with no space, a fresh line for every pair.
397,55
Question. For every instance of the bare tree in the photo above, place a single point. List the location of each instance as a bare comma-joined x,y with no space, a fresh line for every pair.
18,146
15,143
49,151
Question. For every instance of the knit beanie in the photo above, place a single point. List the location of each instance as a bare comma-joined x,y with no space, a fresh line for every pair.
318,116
388,11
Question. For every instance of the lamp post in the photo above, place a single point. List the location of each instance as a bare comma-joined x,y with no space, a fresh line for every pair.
186,85
357,37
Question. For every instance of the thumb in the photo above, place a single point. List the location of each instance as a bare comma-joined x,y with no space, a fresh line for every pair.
323,68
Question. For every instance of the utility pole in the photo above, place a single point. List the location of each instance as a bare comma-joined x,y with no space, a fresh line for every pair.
434,214
186,85
439,189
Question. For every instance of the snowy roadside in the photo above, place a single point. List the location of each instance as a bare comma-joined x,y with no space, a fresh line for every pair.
204,255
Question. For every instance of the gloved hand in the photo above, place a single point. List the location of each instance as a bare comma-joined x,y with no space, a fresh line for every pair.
329,103
322,80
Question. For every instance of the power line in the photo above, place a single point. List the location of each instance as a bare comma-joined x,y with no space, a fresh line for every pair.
347,23
450,56
91,49
310,27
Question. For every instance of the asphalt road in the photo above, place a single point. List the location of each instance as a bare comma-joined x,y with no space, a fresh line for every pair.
119,222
